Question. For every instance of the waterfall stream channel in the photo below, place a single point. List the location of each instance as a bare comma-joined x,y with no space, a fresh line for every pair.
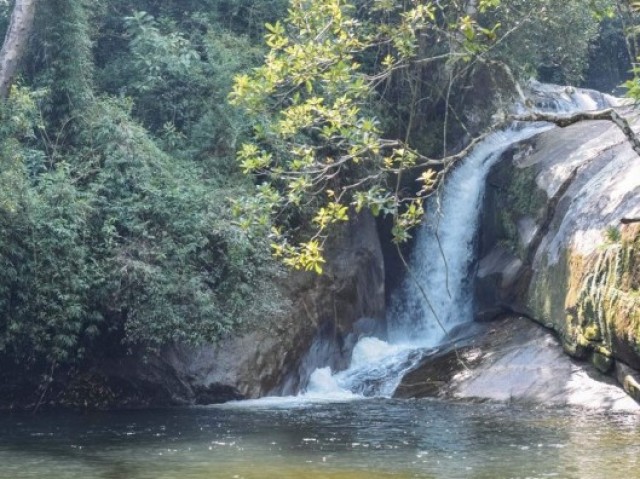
437,297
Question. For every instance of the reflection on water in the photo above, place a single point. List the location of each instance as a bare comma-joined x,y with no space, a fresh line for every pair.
357,440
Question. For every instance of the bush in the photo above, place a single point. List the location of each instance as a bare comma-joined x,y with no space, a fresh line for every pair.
119,243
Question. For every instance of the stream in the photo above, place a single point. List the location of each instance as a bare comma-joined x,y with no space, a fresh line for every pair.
377,438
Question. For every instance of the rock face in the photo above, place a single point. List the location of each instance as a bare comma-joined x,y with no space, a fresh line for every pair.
554,245
515,360
325,316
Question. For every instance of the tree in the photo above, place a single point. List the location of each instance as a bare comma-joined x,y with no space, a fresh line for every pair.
15,42
112,235
319,151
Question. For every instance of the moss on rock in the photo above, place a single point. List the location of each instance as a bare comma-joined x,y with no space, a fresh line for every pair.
593,302
521,198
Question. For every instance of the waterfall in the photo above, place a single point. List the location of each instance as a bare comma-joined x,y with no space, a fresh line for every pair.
545,97
443,256
437,296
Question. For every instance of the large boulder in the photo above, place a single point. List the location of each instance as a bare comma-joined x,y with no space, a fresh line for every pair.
516,360
557,244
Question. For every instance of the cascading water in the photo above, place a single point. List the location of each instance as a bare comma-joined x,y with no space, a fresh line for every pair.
544,97
437,296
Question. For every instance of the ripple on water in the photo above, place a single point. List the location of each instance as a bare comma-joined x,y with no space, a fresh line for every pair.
362,439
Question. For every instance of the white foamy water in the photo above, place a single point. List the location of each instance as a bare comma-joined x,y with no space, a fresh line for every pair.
323,387
565,100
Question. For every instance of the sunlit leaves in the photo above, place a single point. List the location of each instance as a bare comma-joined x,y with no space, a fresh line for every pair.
317,145
252,159
427,181
332,213
633,86
409,218
485,5
307,257
276,38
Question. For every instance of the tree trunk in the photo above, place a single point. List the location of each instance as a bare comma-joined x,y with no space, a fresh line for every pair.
15,42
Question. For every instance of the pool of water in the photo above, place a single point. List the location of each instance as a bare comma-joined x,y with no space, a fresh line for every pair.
354,440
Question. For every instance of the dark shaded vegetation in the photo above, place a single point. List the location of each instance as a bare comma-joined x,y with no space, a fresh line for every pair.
116,162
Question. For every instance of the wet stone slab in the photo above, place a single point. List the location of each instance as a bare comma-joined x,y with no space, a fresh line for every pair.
513,360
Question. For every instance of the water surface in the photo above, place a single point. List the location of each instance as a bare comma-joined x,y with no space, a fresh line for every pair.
355,440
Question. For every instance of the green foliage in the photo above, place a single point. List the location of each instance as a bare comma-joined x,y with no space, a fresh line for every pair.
128,240
633,86
543,43
613,235
112,235
247,17
167,72
46,271
631,30
317,147
164,69
69,76
174,262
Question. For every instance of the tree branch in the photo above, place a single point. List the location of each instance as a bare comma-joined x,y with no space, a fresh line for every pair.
563,121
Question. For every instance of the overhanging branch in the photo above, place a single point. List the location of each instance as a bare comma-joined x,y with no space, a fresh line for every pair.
610,114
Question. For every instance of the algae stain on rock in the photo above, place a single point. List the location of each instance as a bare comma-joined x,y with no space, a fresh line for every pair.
598,297
554,207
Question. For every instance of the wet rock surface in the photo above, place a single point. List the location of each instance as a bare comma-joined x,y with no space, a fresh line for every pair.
556,244
516,360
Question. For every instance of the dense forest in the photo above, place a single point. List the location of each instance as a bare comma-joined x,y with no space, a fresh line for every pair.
134,134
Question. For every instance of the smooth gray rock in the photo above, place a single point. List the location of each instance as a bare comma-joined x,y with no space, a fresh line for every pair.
514,360
555,203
